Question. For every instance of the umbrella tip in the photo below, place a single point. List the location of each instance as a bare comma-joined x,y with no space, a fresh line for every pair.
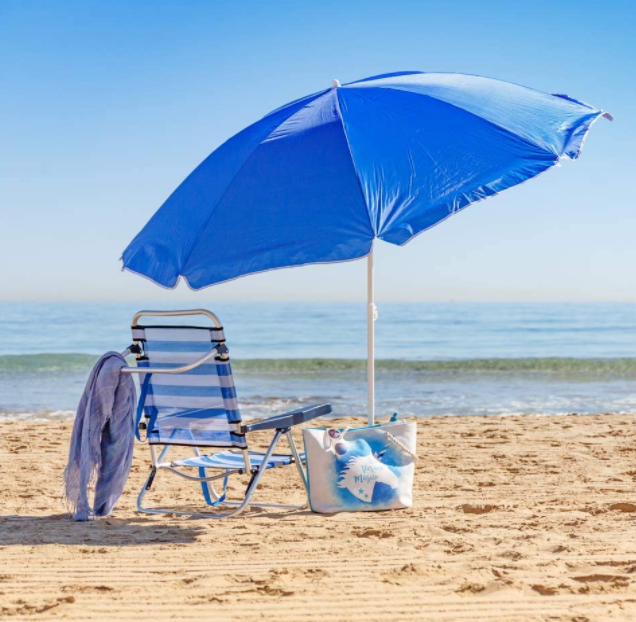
335,84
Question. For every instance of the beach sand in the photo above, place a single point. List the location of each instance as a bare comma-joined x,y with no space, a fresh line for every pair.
514,518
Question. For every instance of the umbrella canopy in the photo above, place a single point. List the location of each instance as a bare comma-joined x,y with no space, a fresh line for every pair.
319,179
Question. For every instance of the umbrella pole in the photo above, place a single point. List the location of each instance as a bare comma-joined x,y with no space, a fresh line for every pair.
372,314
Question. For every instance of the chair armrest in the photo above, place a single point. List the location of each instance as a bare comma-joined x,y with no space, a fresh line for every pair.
279,422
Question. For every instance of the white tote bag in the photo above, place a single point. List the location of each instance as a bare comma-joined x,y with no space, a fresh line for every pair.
361,469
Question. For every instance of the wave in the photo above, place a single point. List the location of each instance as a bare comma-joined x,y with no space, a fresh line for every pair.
37,415
597,367
551,365
55,362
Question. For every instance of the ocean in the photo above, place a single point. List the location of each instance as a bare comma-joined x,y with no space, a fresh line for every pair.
451,358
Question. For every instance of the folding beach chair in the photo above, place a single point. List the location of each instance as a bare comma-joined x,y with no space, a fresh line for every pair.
187,399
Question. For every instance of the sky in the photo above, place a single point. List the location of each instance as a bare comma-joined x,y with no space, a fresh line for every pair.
105,107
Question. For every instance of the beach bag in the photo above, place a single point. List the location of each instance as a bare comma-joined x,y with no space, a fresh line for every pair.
361,469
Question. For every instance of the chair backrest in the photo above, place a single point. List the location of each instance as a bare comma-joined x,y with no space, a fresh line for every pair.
198,407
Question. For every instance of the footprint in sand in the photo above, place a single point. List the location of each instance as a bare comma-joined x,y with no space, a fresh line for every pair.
87,588
274,591
373,533
290,575
403,575
23,608
469,508
600,582
483,589
545,590
512,555
623,507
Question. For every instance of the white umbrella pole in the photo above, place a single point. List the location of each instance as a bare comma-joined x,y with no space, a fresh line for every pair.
372,314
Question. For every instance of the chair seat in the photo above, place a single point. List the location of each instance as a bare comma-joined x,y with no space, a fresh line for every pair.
230,459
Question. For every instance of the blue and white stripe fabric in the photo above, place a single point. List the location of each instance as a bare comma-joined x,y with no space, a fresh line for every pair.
197,408
234,460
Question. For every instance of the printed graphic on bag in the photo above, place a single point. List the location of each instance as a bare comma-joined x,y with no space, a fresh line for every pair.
368,473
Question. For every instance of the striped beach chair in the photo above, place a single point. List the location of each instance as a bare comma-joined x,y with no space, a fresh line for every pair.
188,400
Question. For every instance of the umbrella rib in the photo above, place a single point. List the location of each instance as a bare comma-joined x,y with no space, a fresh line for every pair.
355,168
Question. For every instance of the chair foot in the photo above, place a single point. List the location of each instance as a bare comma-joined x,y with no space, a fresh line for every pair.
146,510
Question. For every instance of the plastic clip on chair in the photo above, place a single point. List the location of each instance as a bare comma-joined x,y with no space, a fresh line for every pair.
188,399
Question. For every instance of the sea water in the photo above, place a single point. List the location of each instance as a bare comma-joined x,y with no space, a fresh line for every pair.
433,358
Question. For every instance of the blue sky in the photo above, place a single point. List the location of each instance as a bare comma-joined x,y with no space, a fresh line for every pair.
107,106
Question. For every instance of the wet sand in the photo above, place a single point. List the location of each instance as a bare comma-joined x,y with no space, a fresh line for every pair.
514,518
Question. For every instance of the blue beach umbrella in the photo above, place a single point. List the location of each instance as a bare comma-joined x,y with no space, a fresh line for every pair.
319,179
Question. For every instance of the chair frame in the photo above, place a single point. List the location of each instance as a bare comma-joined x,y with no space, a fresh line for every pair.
280,424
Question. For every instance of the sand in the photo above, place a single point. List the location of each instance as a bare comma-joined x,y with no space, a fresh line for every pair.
515,518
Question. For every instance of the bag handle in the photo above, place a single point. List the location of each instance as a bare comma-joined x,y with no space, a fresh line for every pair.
401,446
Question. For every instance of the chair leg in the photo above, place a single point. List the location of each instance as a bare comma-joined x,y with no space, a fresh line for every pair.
142,493
207,486
240,505
299,464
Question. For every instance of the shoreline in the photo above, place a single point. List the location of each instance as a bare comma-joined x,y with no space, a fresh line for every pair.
521,518
47,384
50,386
65,415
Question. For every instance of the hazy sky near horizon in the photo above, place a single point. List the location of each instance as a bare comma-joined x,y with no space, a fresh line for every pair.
106,107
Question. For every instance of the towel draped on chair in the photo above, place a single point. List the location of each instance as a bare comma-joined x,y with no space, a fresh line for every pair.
103,438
